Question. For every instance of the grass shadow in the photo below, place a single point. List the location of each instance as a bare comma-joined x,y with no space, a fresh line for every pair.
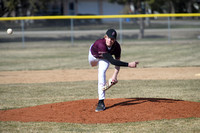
134,101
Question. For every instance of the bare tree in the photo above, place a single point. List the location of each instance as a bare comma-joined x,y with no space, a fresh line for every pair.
21,7
139,6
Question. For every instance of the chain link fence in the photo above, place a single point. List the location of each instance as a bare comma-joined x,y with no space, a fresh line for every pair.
72,32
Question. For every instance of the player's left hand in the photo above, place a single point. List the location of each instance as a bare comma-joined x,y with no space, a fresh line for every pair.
109,84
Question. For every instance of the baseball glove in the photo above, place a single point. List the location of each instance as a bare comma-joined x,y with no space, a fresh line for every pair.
109,84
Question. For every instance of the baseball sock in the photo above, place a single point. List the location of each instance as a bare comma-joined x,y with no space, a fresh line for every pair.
101,101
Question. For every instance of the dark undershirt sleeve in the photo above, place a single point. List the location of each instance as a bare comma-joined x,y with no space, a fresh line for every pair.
109,57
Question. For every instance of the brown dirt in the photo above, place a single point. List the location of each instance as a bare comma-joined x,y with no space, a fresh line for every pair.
117,111
10,77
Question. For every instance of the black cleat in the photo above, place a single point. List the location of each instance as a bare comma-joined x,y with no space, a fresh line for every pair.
100,106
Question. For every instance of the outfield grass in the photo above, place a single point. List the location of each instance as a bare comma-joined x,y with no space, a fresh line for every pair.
37,57
62,56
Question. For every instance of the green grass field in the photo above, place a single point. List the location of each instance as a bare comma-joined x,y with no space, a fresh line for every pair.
58,55
51,56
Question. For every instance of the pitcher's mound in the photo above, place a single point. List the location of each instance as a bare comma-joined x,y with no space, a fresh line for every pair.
117,111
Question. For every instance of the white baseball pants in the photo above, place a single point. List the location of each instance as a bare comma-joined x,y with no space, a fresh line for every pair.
103,66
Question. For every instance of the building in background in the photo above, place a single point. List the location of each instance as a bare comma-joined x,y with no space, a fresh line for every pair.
81,7
93,7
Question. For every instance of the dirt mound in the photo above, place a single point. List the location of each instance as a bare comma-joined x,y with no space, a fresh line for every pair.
117,111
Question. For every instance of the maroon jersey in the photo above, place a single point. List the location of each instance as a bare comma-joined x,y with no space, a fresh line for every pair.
99,47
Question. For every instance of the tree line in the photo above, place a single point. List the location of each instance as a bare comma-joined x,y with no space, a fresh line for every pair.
33,7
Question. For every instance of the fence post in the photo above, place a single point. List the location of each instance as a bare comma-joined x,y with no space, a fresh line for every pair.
72,31
23,37
120,28
169,30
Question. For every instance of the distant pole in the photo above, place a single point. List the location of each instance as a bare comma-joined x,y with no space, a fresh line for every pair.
120,28
22,24
72,32
23,37
169,30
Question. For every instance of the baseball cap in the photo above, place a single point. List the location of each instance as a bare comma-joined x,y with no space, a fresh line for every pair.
111,33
